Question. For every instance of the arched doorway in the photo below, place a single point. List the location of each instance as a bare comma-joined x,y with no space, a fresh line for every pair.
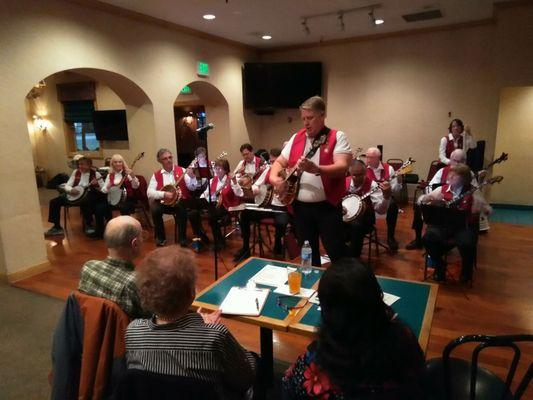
198,104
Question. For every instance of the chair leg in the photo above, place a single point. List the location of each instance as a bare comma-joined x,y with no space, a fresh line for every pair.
65,217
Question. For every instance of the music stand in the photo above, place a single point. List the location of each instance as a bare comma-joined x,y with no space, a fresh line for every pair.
448,218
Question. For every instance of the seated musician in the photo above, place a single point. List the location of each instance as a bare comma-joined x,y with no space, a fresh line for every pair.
457,156
120,175
83,178
360,184
247,216
169,174
436,238
379,171
457,138
202,169
248,170
220,195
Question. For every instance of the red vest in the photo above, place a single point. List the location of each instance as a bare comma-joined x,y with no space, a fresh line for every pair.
178,171
126,184
445,172
464,204
385,174
450,147
333,187
228,197
77,177
364,189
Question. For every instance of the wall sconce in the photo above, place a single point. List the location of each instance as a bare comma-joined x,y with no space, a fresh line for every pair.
189,118
39,123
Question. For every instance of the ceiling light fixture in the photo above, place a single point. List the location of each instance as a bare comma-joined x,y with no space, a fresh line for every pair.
375,21
266,37
306,27
209,17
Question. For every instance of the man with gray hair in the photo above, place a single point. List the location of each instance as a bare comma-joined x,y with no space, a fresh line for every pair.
114,277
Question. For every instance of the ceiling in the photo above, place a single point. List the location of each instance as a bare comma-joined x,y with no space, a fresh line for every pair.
245,21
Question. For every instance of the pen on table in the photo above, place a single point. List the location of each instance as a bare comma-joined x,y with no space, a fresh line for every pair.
257,303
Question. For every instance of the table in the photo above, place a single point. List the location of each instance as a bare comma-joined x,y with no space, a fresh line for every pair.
415,307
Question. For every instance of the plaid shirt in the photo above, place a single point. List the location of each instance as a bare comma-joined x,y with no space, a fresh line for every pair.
112,279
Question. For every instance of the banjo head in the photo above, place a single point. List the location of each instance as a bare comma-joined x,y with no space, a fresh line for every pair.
76,197
351,207
115,195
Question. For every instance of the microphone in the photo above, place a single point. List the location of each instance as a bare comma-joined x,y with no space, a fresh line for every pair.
205,128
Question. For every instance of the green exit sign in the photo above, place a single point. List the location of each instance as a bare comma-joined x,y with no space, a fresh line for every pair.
186,90
202,68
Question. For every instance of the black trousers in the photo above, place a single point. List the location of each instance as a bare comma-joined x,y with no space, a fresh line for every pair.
181,213
437,242
355,233
281,221
320,220
418,222
87,208
392,218
215,216
103,212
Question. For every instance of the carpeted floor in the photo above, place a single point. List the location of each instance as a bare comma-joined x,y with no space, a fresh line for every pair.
27,324
512,216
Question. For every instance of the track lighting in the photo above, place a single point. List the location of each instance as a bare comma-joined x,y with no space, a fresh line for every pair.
375,21
306,27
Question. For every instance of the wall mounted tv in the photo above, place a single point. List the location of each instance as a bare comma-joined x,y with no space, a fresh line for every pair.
110,125
280,85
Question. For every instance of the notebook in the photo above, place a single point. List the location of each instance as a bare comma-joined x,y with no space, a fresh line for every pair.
244,301
270,275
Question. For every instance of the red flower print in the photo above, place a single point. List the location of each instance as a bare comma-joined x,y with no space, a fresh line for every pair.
316,382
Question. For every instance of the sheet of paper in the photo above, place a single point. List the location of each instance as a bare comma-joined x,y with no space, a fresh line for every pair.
314,299
244,301
324,259
304,293
270,275
390,299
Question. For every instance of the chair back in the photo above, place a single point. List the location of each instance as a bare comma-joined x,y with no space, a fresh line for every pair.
140,192
395,163
140,385
506,341
433,168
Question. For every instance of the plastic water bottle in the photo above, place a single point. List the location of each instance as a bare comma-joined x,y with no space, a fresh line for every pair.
307,256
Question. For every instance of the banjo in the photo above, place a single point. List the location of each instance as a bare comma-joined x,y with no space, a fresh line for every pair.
117,194
353,205
81,192
264,196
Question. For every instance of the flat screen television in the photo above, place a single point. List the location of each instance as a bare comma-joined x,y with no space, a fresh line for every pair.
280,85
110,125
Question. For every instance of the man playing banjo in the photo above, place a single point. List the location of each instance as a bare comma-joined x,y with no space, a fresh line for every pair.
360,218
77,193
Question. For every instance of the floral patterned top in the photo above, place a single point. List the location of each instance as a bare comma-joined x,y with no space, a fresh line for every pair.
307,380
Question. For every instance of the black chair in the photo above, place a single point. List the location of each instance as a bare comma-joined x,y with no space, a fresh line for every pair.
453,378
433,168
143,385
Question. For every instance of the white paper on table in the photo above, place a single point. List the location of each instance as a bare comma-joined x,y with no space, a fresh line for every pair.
314,299
244,301
390,299
304,293
270,275
324,259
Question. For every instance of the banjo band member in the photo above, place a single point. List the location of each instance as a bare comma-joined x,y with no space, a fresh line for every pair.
169,174
378,202
379,171
317,208
436,238
281,220
457,138
83,177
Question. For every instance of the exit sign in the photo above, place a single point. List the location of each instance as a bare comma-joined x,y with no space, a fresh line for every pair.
186,90
202,68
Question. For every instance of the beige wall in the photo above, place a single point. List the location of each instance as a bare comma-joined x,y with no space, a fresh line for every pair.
515,136
43,38
397,91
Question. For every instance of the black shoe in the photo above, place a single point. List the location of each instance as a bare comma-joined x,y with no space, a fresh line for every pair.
414,244
393,244
183,243
241,254
465,278
95,235
54,231
439,273
160,242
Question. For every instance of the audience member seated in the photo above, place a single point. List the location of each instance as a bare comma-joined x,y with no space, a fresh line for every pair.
362,351
114,277
177,342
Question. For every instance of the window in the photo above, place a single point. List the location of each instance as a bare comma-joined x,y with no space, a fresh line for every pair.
78,117
84,136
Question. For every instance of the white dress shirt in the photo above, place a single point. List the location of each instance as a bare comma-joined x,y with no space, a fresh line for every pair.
478,202
380,203
438,176
468,143
311,187
85,180
168,179
220,184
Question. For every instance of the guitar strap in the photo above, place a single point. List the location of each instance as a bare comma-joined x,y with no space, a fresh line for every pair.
317,142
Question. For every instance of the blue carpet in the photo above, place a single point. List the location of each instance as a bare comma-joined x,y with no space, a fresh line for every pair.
512,216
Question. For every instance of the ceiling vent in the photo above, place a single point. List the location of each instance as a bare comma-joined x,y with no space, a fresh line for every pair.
422,16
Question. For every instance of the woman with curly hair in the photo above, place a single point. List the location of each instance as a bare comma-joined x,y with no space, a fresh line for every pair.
362,351
179,343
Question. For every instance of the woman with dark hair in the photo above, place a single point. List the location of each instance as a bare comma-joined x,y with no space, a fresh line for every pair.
362,351
457,138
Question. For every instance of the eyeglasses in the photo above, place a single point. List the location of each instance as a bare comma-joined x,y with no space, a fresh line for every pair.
281,302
